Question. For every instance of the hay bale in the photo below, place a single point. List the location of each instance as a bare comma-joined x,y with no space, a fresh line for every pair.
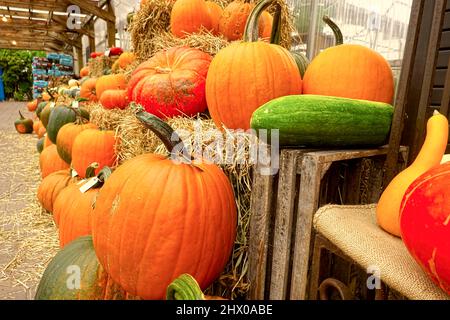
150,30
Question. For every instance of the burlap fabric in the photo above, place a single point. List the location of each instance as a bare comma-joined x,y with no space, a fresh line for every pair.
354,230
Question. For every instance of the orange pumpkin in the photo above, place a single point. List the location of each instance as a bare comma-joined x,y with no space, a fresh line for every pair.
84,72
234,18
73,213
235,88
41,132
51,186
36,126
110,82
268,25
87,90
189,16
114,99
126,59
215,13
32,106
50,161
47,142
66,138
350,71
189,209
93,146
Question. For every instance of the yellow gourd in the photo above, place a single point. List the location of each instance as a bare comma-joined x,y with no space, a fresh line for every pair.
430,155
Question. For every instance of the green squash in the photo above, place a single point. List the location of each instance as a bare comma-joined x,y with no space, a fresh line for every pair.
60,280
40,144
321,121
45,114
23,125
39,109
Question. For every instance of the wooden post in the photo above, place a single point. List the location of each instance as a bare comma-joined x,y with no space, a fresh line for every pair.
92,39
80,56
111,26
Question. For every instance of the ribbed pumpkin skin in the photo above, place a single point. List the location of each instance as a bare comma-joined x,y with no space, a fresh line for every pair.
215,12
50,161
234,90
110,82
114,99
91,146
171,83
73,213
350,71
154,220
66,138
95,283
51,186
59,117
188,16
88,90
233,20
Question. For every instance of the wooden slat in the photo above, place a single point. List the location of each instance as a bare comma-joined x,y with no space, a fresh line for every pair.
436,96
439,78
445,40
417,10
95,10
446,25
443,58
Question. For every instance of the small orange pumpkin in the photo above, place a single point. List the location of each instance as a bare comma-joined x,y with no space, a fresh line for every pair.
110,82
51,186
114,99
32,106
87,90
215,12
126,59
41,132
234,18
84,72
66,138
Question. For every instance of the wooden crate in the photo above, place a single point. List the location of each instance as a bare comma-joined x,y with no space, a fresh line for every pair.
283,205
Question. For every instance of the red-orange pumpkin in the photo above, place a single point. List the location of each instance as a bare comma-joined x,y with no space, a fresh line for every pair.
32,106
87,90
114,99
233,20
66,138
244,76
425,223
51,186
50,161
171,83
93,146
110,82
189,16
350,71
155,219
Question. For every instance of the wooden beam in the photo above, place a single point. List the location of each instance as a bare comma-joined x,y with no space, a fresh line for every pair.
80,58
91,27
63,23
64,38
95,10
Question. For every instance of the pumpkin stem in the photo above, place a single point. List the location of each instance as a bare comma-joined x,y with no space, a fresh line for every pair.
336,30
251,31
166,134
21,116
185,287
90,171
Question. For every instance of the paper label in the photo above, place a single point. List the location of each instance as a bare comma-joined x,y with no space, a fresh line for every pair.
107,53
74,174
88,185
52,105
75,104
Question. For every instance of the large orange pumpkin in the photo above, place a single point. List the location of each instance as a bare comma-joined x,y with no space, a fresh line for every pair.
50,161
189,16
350,71
172,82
88,90
66,138
155,219
93,146
244,76
234,18
110,82
51,186
424,222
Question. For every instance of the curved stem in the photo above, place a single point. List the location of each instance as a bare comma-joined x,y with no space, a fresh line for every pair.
21,116
90,171
251,31
166,134
336,30
185,287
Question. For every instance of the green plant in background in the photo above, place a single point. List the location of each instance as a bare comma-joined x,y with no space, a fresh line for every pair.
302,14
17,72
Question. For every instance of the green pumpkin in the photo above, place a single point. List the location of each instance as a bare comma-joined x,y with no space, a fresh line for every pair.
45,114
23,125
40,107
58,117
59,281
40,145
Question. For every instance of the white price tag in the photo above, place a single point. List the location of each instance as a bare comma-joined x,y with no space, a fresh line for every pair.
88,185
52,105
107,53
74,174
75,104
81,182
